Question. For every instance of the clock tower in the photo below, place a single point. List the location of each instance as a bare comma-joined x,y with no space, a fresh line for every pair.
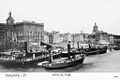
10,20
95,28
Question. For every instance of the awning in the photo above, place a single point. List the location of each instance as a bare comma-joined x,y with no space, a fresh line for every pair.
48,45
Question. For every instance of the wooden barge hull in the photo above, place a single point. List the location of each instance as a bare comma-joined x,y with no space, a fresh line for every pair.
62,65
116,48
10,63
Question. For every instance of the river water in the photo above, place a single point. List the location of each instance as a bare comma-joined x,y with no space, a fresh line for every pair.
108,62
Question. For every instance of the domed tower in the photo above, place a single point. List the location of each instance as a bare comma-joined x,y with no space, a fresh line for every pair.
95,28
10,20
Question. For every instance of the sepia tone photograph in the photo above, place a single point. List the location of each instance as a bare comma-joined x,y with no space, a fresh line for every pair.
68,36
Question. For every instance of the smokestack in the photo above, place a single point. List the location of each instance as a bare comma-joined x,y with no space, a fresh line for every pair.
68,48
25,43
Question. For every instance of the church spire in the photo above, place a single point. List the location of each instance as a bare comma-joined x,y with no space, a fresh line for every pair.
10,14
95,28
10,20
95,25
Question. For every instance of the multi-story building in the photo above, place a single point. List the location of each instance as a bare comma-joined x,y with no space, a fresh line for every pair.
25,31
56,37
7,33
65,37
104,36
46,37
99,35
116,39
51,38
80,38
30,32
111,39
91,39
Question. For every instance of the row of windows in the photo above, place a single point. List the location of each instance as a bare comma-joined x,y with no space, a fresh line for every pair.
31,33
20,34
117,40
1,28
37,40
28,33
10,33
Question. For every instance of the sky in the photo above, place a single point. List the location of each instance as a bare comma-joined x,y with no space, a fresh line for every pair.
65,15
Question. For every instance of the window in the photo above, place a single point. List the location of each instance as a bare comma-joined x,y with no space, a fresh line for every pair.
36,40
27,33
29,26
36,34
8,33
21,33
31,33
1,29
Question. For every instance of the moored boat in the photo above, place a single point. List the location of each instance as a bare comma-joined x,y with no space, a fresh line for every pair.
117,47
19,59
62,63
94,51
72,59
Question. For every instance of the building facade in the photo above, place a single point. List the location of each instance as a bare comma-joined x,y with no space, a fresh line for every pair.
19,32
7,33
30,32
56,37
116,39
97,35
65,37
46,37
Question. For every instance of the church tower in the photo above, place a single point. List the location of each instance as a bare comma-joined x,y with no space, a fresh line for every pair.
10,20
95,28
